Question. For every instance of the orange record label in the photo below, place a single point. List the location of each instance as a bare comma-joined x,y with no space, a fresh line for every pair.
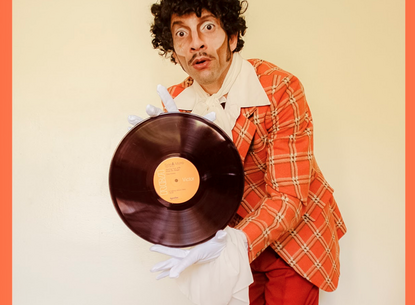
176,180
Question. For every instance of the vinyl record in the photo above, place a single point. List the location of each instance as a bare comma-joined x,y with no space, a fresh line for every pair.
176,179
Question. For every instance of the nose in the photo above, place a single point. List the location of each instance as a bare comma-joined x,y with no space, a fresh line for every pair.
197,42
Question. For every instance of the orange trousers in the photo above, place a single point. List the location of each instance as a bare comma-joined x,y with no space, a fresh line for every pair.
276,283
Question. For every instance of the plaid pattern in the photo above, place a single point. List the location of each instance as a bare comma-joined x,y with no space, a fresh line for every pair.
287,203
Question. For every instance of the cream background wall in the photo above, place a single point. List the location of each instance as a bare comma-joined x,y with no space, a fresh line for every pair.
81,67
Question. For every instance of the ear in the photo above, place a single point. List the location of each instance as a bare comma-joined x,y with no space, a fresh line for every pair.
233,42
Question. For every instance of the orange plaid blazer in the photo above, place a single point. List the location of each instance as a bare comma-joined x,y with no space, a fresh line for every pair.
287,204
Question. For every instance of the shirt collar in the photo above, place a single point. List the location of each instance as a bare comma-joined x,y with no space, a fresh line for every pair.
247,91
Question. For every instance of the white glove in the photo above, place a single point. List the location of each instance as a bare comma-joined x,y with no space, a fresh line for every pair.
169,104
183,258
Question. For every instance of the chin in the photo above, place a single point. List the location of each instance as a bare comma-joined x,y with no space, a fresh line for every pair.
205,79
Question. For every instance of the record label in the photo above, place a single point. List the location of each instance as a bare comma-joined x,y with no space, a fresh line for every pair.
176,180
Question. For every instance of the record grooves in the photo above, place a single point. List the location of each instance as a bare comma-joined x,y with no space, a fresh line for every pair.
176,179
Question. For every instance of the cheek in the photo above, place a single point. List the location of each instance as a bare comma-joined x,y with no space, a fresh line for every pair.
223,49
179,51
179,48
219,44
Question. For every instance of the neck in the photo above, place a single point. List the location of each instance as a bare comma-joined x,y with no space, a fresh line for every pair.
215,86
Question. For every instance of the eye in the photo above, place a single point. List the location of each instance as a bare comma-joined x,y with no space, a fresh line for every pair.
209,26
180,33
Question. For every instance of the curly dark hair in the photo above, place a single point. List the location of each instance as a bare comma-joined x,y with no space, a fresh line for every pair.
229,13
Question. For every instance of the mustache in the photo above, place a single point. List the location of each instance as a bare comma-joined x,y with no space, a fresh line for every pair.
200,54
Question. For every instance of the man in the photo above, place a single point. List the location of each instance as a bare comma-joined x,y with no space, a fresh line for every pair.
288,217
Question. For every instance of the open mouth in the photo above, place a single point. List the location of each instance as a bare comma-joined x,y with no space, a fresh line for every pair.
200,61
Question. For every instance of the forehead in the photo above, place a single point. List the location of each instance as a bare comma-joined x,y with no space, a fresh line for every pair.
190,18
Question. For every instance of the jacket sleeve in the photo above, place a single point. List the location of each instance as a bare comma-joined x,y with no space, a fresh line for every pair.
288,156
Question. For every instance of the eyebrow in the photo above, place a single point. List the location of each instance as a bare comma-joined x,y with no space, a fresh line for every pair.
179,22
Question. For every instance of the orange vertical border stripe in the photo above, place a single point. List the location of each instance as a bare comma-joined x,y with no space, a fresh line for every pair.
410,150
6,151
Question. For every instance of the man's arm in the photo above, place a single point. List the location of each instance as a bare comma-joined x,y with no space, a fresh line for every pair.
289,157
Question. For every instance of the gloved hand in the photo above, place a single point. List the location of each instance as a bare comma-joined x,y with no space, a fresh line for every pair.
183,258
169,104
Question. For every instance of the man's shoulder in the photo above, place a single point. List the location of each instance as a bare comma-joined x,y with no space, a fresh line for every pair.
175,90
272,76
264,68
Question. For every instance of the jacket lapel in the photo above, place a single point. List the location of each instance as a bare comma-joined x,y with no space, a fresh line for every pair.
244,131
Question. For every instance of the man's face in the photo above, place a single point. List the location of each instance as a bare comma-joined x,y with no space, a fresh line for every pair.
202,48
